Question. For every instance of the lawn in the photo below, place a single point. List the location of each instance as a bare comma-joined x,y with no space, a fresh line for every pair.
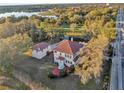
9,82
91,85
39,69
46,13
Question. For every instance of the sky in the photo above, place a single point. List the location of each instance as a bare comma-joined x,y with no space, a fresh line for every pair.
25,2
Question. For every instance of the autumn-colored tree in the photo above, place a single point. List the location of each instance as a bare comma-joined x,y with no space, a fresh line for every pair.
101,27
91,59
10,48
73,27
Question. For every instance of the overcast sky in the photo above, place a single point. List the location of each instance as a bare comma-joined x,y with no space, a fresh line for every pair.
22,2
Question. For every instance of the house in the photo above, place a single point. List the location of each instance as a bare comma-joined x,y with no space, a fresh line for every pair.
67,52
40,50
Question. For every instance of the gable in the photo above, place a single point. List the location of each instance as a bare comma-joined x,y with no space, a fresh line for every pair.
68,47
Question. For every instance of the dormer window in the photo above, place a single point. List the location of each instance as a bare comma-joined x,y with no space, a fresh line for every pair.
68,56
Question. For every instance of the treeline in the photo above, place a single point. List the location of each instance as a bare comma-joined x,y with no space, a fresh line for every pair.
37,8
45,7
100,23
24,8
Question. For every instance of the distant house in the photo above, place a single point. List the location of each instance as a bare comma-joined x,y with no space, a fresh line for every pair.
40,50
67,52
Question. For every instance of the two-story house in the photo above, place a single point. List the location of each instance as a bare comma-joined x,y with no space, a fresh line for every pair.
66,52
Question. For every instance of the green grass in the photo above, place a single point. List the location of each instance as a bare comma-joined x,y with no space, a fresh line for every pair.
65,29
91,85
32,65
65,26
13,83
46,13
19,85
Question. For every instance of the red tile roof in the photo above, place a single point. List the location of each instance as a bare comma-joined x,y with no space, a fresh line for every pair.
69,47
41,45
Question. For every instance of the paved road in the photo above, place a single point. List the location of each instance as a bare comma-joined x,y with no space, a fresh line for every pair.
114,77
122,62
122,74
117,71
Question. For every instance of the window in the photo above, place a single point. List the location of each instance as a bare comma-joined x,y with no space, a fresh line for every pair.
39,49
67,55
60,53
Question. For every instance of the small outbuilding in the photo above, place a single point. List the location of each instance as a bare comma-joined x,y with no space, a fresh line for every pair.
40,50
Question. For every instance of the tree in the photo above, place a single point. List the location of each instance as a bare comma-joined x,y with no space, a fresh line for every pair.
90,61
7,29
76,19
101,27
2,20
23,26
12,47
73,27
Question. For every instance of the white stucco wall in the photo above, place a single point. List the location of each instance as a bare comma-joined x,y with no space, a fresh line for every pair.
57,54
49,48
40,53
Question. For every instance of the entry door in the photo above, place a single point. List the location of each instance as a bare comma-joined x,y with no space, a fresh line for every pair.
61,65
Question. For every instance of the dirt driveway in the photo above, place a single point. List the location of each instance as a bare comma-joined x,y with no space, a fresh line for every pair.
39,69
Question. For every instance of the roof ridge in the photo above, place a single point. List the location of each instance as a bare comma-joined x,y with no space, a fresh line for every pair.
67,46
70,46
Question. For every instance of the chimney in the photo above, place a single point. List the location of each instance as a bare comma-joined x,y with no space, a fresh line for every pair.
71,38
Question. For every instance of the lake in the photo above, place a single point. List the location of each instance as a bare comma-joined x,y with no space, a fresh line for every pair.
28,14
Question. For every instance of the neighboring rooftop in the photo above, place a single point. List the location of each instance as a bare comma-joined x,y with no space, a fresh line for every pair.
69,47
